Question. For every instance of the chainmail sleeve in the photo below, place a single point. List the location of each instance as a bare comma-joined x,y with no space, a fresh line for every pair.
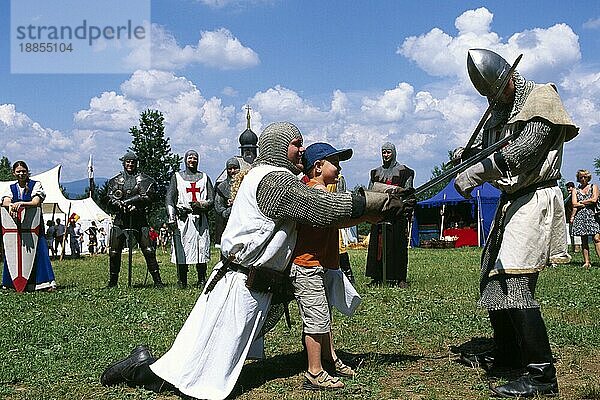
282,195
530,148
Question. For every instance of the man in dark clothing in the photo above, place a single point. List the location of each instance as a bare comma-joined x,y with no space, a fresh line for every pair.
129,194
390,176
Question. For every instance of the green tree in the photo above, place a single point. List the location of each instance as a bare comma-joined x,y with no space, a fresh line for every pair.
435,172
5,170
597,165
156,159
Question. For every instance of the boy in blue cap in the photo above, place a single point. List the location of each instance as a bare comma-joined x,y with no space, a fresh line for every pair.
316,254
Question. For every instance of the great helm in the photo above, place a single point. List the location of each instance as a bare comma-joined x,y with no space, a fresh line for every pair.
488,71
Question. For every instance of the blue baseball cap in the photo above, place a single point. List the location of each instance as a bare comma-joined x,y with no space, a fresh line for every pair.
320,151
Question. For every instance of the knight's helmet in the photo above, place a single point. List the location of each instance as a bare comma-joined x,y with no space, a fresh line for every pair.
488,71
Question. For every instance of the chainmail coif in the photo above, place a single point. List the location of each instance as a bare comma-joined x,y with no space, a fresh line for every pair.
502,111
273,145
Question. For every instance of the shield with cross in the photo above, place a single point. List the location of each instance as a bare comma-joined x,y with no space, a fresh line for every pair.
20,239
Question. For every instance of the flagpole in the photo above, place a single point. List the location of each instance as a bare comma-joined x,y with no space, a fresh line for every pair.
91,176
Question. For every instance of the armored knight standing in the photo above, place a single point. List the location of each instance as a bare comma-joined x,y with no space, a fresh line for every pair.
528,230
189,198
129,194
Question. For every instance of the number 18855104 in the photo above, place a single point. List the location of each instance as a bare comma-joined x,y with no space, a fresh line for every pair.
36,47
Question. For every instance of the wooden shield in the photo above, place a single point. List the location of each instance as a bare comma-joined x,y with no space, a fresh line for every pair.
20,239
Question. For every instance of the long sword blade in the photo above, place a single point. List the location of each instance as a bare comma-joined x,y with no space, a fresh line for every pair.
474,159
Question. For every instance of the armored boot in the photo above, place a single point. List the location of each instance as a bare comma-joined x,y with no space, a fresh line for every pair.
540,376
156,278
201,270
122,371
182,276
345,267
152,264
114,267
507,361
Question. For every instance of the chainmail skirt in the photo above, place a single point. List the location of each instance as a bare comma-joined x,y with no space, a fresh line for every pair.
503,291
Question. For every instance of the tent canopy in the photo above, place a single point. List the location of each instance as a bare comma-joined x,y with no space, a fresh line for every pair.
449,195
482,203
57,203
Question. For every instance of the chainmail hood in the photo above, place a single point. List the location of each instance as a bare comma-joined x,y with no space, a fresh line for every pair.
188,169
392,147
503,112
273,145
232,162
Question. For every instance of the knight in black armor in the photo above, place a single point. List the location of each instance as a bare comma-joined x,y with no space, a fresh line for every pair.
129,194
395,177
189,198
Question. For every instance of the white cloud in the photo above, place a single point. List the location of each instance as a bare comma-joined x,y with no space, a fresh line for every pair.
216,49
547,51
393,105
41,147
229,91
592,23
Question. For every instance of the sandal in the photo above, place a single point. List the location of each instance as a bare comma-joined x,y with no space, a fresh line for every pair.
343,370
321,381
587,265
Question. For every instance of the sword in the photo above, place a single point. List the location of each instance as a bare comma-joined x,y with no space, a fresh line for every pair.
474,159
128,232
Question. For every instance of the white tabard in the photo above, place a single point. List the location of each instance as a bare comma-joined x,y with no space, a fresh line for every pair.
220,333
194,245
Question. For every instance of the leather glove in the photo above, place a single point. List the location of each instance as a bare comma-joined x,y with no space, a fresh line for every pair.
385,188
475,175
387,206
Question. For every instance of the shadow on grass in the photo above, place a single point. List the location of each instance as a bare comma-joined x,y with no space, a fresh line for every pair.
258,373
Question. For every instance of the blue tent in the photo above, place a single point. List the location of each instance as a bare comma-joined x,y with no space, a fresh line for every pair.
485,195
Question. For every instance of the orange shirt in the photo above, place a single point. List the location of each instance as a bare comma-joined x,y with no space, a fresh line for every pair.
317,246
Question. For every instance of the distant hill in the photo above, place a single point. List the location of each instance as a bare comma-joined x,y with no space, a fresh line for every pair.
77,188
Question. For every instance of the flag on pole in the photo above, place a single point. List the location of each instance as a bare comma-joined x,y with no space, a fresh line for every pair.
91,175
90,168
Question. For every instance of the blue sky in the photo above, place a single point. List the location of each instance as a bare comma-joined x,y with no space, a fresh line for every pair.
355,74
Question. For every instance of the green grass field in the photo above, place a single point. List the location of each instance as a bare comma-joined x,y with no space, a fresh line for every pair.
56,345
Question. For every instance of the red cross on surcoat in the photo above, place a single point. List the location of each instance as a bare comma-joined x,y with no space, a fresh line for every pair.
20,281
193,190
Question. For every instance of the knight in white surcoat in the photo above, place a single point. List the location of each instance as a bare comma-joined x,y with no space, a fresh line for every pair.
189,198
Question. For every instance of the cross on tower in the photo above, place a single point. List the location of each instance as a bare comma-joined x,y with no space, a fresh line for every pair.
193,190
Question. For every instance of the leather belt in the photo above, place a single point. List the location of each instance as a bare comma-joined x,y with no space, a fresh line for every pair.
238,268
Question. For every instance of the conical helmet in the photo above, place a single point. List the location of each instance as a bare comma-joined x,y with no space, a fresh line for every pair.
487,71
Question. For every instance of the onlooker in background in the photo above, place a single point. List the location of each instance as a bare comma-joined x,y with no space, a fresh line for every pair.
153,237
392,174
74,232
101,240
584,220
50,236
59,236
569,211
344,233
163,237
92,233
